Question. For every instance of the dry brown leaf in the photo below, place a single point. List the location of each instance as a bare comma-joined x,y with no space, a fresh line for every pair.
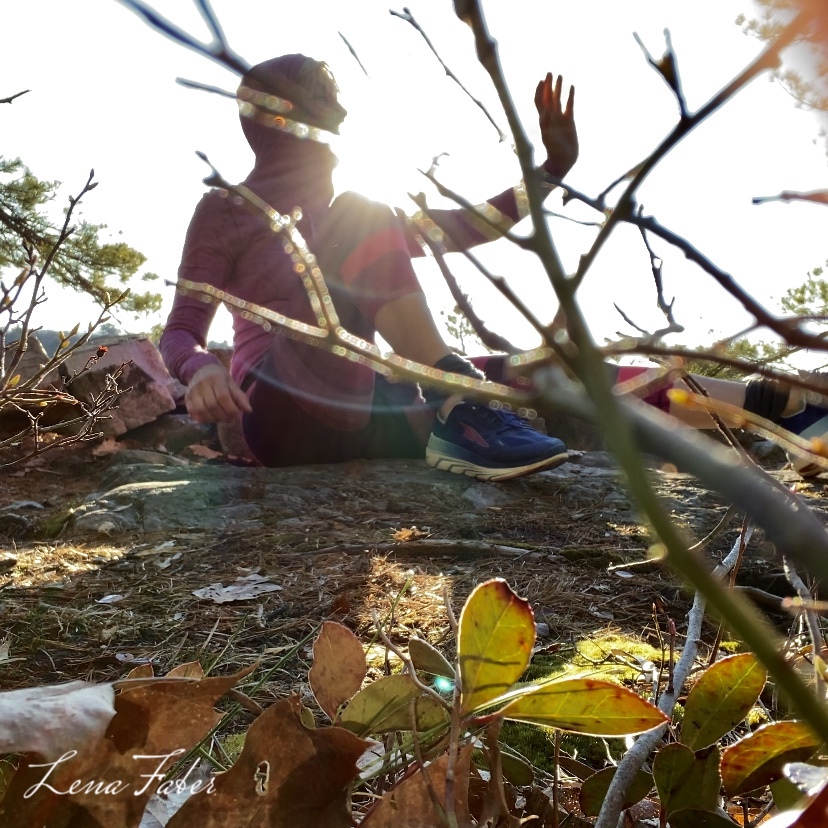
141,671
409,804
242,589
407,535
204,452
288,776
107,781
338,667
192,669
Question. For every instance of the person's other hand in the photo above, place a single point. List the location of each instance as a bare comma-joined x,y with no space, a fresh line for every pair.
213,397
557,125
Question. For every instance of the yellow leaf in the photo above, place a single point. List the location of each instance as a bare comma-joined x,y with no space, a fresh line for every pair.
599,708
495,636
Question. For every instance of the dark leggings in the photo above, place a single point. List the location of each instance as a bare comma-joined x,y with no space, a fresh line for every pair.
280,433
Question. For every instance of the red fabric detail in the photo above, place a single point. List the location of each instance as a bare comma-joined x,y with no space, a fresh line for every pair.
657,398
371,250
473,436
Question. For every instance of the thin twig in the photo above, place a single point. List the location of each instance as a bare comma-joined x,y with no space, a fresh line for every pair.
491,339
497,281
407,663
790,330
13,97
406,15
815,196
354,54
635,757
811,621
656,264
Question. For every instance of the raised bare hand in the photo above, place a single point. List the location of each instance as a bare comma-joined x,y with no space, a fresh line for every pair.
557,125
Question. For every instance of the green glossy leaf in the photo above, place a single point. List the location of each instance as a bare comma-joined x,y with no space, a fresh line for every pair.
385,706
575,768
516,769
698,818
758,759
494,643
722,697
687,780
786,796
599,708
594,790
429,659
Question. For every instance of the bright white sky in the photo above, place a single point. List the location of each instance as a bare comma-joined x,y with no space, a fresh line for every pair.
104,96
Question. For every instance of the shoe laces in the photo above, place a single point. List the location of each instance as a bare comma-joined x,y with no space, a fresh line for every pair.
500,420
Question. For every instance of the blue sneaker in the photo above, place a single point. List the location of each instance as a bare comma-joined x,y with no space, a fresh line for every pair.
490,444
810,423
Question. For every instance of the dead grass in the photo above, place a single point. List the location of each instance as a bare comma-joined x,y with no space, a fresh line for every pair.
78,608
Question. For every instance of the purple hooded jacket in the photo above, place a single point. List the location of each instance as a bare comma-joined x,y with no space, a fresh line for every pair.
364,248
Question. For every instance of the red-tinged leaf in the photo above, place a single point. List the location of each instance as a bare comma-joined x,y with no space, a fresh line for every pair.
54,719
338,667
698,818
494,643
385,706
721,698
687,780
598,708
409,805
288,776
108,781
594,790
758,759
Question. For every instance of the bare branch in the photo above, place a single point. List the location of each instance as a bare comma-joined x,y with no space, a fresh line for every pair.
491,339
204,87
815,196
788,328
811,620
406,15
217,49
635,757
353,53
667,67
656,264
13,97
768,59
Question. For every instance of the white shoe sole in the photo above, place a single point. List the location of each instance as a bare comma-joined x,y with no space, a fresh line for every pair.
457,466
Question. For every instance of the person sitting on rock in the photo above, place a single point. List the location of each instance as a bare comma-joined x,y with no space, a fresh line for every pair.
301,404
